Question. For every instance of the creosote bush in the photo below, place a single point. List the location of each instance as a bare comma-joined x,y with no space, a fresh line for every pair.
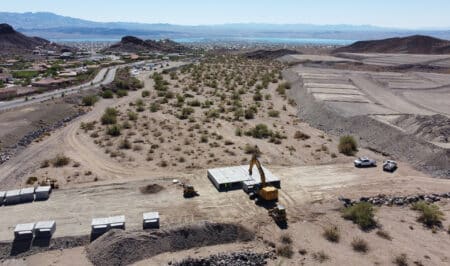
89,100
362,214
430,215
347,145
113,130
60,160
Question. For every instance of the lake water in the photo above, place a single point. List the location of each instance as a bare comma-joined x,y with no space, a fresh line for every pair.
268,40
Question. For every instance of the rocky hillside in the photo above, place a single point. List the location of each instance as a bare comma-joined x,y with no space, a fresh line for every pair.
269,54
416,44
131,44
13,42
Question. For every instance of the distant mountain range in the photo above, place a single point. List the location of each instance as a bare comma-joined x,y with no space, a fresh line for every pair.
52,26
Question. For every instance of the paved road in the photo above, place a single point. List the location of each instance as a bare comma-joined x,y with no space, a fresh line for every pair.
104,77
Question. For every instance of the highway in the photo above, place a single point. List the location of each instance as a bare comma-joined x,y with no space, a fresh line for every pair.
105,76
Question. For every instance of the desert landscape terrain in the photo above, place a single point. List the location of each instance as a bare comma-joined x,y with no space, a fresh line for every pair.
122,156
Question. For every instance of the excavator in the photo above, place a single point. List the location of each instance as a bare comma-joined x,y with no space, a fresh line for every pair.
266,192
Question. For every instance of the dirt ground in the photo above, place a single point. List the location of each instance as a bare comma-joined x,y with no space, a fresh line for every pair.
94,184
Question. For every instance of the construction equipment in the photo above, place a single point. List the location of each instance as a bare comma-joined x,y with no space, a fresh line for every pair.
263,191
278,213
189,191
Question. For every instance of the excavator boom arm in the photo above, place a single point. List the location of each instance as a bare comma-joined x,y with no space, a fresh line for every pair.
260,169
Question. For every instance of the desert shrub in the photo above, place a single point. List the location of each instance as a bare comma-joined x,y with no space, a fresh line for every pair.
204,139
384,234
250,149
401,260
109,117
332,234
113,130
125,144
286,239
31,180
362,214
132,116
360,245
195,103
347,145
45,164
430,215
108,94
285,250
60,160
300,135
273,113
257,97
121,93
87,126
320,256
154,107
185,113
260,131
281,89
238,132
228,142
89,100
145,93
249,114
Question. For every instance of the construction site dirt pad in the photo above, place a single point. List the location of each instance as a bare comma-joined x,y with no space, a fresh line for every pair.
119,247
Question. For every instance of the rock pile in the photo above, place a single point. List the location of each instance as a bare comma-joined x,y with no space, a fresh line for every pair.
33,135
396,200
243,258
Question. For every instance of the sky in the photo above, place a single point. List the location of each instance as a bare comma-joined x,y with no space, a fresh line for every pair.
412,14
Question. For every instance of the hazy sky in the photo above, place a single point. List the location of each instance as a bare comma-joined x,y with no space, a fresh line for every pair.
392,13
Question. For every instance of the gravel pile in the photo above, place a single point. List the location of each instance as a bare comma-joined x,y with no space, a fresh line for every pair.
243,258
397,200
118,247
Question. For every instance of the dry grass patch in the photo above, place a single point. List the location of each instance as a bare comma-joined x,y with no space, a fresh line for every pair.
384,234
401,260
332,234
360,245
320,256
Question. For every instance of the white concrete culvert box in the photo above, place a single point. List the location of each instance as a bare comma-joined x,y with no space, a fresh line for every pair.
233,177
99,226
27,194
151,220
45,229
12,196
2,197
24,231
43,192
117,222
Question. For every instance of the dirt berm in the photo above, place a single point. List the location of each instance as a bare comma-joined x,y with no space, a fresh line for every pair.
118,247
370,133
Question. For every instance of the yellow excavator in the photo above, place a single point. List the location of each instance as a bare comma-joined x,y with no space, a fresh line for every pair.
264,192
267,193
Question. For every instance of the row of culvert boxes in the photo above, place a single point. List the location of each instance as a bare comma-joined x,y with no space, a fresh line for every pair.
24,195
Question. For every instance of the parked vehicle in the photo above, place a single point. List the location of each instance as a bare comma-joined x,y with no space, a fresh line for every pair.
365,162
390,166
